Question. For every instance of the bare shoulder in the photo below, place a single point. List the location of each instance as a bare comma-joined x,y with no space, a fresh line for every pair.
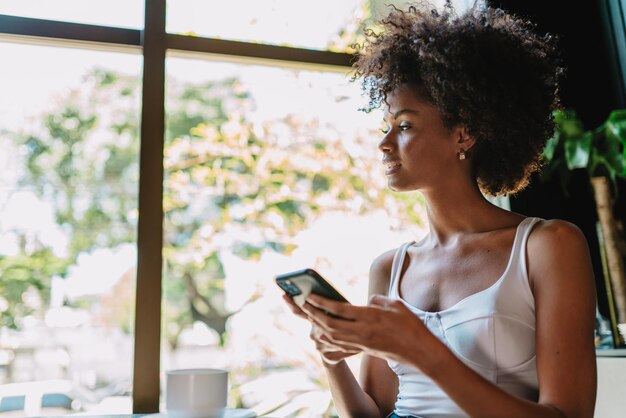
554,236
555,249
557,228
380,273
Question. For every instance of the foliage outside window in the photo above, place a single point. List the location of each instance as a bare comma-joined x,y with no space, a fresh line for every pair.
248,194
241,188
252,192
68,214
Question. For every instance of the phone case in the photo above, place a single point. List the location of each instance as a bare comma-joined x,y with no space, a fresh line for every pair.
301,283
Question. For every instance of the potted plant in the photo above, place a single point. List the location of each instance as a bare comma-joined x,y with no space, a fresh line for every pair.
602,153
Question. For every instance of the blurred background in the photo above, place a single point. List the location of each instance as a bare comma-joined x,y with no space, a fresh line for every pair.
268,166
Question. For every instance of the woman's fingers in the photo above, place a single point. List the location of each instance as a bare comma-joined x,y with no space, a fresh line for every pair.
294,308
343,310
348,332
332,351
329,320
324,343
342,329
315,315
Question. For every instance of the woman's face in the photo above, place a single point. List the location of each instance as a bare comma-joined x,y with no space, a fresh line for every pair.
418,150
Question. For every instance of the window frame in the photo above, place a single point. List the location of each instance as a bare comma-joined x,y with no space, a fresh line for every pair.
614,19
154,44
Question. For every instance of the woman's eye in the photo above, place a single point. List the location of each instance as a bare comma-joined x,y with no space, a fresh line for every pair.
402,127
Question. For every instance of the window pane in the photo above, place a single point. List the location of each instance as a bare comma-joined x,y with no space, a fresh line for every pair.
68,214
120,13
322,24
268,170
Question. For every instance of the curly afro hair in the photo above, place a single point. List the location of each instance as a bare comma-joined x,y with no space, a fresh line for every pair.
485,70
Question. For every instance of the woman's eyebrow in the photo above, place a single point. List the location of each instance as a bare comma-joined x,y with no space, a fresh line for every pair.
402,112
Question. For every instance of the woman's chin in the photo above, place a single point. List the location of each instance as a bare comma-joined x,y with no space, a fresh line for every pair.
397,186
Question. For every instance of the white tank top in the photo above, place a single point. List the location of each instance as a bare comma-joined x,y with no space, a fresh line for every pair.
491,331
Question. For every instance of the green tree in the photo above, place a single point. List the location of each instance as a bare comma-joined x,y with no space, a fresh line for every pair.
231,184
85,161
82,159
25,284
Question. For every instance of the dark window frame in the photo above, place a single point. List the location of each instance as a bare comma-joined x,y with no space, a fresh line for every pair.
154,43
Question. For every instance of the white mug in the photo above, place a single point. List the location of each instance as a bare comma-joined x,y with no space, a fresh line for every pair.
196,393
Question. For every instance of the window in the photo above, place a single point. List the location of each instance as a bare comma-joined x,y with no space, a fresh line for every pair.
68,209
267,167
120,13
323,25
261,180
615,16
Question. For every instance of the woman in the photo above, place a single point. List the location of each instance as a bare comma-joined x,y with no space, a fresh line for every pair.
492,313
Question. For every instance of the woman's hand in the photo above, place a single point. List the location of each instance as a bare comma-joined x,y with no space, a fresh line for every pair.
331,353
294,307
385,328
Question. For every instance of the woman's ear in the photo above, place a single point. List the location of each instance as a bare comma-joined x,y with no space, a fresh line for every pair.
465,141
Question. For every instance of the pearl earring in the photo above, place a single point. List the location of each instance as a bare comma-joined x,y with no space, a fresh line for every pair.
461,155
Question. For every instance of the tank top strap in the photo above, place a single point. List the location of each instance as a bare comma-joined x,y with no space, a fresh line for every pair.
521,240
517,257
396,268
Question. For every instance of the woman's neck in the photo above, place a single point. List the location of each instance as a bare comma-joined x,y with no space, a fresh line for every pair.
453,212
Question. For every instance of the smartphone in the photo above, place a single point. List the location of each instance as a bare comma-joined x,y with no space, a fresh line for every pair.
299,284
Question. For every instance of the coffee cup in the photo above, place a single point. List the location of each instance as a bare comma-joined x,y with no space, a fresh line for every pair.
196,393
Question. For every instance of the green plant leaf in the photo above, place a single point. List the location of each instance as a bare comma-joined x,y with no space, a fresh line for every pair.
616,138
602,150
551,144
600,166
616,125
567,122
611,149
577,150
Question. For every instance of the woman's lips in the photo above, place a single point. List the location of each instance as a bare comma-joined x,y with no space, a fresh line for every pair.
391,167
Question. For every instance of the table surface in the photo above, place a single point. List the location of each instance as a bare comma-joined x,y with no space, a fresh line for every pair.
611,352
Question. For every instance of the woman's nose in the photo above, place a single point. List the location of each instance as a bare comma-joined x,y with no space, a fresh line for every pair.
385,144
